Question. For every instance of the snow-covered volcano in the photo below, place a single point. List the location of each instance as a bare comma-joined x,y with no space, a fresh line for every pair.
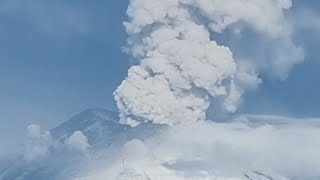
93,145
102,131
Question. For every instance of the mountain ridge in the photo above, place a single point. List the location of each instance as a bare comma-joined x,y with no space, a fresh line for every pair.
105,135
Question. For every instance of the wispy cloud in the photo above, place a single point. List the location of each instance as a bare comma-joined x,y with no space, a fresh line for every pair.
58,17
307,19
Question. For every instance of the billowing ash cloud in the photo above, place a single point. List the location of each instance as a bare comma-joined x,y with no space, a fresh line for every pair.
180,67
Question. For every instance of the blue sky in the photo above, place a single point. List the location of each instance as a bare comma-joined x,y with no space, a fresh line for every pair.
59,58
51,67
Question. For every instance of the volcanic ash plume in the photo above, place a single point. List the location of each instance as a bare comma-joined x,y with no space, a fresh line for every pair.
180,68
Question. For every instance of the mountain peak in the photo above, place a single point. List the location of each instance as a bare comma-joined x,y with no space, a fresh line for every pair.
96,113
85,120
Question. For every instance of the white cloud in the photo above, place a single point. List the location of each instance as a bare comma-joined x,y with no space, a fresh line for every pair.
37,144
228,151
78,142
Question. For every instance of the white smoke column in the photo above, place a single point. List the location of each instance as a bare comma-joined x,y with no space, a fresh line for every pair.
37,144
181,68
78,142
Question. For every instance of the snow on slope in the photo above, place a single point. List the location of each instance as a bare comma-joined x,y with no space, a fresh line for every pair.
102,129
203,151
